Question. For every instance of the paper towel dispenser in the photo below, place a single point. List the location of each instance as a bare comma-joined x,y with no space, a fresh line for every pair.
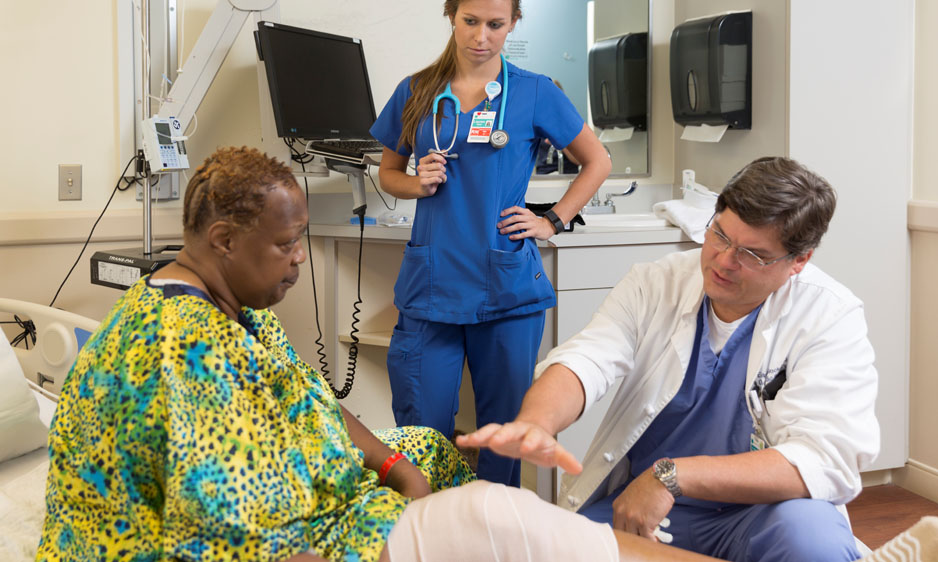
711,71
618,81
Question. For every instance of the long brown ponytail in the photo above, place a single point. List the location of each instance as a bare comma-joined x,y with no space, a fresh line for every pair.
426,84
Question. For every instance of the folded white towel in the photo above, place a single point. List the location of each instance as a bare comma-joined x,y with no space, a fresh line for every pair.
691,213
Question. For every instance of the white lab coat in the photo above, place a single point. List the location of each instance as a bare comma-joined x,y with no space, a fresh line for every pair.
821,420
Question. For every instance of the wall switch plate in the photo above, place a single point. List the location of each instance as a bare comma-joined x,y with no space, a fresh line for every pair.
166,189
69,182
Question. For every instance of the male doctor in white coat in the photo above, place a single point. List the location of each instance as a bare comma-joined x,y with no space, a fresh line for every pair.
746,410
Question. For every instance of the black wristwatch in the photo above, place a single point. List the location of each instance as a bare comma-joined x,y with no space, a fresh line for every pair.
550,215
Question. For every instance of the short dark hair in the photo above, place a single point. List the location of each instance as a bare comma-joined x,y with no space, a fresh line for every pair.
780,192
232,184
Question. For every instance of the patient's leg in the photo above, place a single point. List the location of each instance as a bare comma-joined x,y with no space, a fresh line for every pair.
486,521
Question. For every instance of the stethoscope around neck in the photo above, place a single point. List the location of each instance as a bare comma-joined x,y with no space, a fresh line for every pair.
498,138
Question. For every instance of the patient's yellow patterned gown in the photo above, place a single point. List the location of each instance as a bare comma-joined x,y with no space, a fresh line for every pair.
182,434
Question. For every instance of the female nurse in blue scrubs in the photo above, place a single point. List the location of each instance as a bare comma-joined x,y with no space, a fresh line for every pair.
472,286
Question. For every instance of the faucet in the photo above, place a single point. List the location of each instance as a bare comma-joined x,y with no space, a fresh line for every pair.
595,207
627,192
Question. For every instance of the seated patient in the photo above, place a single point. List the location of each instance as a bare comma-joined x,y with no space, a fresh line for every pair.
190,429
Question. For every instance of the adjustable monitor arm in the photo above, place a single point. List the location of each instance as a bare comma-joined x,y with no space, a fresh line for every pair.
197,74
209,53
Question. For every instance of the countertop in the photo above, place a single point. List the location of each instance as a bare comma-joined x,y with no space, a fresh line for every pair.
581,236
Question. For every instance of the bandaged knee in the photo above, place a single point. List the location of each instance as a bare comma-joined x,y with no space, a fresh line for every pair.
486,521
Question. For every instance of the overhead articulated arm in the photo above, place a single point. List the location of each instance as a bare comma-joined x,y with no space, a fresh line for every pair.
209,53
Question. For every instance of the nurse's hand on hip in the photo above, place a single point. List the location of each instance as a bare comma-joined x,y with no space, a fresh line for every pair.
431,170
523,223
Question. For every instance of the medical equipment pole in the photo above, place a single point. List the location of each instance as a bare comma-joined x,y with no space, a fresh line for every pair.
147,188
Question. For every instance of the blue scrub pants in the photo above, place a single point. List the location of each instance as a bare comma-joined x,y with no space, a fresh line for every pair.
425,365
788,531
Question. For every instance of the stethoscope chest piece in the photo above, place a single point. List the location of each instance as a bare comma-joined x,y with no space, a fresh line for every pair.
498,139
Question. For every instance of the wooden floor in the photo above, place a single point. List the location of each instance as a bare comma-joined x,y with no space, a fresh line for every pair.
882,512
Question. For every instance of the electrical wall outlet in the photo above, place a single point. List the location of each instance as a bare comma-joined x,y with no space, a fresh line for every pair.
69,182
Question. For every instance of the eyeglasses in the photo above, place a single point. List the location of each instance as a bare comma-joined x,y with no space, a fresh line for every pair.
746,258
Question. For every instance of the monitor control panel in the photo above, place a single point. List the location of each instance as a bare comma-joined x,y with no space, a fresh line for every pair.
164,144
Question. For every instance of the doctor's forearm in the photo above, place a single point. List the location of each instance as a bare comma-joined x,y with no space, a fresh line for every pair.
554,401
754,477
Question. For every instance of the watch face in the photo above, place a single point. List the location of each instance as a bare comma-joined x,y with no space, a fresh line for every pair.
663,467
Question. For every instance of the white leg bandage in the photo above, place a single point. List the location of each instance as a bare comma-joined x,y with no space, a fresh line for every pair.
918,543
485,521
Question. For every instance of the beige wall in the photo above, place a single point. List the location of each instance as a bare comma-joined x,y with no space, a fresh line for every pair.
715,163
66,111
922,473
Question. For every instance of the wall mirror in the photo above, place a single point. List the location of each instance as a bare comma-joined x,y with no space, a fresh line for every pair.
554,38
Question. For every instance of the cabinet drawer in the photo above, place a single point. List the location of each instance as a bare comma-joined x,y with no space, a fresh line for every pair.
594,267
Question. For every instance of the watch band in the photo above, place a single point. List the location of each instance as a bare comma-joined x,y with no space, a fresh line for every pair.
666,472
554,220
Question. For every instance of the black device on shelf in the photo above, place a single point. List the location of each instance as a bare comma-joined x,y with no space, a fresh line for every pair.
120,269
711,71
618,81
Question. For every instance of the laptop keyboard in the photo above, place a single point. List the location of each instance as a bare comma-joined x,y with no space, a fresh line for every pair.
349,147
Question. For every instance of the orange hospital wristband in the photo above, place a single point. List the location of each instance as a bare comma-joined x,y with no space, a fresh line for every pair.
386,467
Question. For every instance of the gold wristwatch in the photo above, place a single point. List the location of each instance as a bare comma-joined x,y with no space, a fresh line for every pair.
666,473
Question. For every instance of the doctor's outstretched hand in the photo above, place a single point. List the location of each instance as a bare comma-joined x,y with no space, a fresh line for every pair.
521,222
431,171
522,440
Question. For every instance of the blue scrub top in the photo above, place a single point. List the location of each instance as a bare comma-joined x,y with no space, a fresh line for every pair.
457,268
708,415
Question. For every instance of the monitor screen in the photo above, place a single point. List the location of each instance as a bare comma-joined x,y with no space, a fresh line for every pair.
318,83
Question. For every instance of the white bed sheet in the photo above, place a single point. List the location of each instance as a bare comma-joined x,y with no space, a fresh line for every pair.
22,496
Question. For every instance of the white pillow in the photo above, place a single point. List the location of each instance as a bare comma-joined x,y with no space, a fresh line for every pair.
21,430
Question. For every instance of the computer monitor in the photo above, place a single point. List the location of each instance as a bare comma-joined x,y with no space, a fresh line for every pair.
319,85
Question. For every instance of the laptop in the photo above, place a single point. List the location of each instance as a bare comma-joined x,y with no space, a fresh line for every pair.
320,91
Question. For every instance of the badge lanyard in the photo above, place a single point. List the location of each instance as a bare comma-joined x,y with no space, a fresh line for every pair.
498,138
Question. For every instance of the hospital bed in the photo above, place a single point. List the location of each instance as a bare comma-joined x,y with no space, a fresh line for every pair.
36,374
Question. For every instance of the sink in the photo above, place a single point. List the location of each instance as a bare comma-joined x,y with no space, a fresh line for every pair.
625,220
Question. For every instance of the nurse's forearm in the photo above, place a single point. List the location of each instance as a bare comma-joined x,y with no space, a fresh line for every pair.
594,170
399,184
554,401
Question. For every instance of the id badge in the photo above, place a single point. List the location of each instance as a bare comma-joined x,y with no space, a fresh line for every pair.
480,128
756,443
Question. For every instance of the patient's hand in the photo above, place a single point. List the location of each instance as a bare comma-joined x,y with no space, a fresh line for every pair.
522,440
